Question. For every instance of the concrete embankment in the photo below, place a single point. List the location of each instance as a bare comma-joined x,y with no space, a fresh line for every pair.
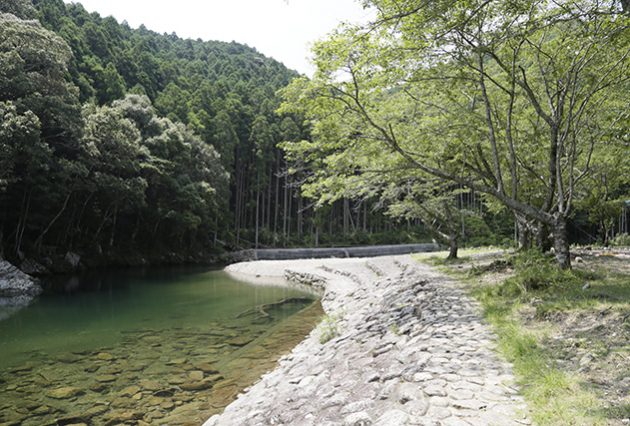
332,252
401,345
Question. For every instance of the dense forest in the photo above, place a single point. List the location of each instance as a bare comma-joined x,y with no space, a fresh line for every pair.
119,142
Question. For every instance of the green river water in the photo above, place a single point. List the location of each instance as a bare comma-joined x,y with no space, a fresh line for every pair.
155,346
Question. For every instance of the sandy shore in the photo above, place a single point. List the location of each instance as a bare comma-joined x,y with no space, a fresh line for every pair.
401,344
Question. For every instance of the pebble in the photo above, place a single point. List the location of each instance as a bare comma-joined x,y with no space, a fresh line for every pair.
104,356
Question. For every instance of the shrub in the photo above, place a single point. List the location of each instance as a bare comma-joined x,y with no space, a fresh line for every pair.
534,272
621,240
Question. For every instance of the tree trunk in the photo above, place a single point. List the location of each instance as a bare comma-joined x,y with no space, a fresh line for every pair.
524,233
114,223
257,217
285,203
605,233
269,192
40,239
300,215
561,242
452,247
542,237
26,204
276,208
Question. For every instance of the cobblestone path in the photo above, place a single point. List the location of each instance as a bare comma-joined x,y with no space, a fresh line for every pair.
411,349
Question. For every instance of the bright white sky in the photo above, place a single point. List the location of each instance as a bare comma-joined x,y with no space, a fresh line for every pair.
281,29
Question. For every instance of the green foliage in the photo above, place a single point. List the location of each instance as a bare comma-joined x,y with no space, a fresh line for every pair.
143,166
535,271
474,95
23,9
100,178
621,240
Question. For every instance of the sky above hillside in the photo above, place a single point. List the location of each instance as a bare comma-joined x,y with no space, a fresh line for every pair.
282,29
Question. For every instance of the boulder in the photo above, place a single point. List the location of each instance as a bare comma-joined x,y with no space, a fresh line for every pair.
32,267
73,260
14,282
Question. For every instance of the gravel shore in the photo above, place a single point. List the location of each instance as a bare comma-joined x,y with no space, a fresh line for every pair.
401,345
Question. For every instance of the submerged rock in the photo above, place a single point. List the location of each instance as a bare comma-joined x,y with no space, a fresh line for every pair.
64,392
104,356
105,378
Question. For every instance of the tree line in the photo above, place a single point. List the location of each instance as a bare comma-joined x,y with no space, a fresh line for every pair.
122,142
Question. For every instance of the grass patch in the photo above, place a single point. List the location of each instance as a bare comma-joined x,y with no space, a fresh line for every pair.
555,396
328,329
439,258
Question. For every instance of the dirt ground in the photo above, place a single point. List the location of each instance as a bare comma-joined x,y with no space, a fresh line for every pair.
587,330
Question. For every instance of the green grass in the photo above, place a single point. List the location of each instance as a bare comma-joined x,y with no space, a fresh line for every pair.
438,258
328,329
554,397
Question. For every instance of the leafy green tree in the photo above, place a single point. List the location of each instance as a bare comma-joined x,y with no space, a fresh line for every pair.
505,98
20,146
22,9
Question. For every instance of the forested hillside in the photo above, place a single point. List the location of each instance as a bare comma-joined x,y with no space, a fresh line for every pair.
120,143
223,92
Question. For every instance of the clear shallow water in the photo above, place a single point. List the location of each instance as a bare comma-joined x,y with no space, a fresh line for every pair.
194,335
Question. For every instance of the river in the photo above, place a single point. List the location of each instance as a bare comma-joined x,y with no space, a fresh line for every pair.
161,346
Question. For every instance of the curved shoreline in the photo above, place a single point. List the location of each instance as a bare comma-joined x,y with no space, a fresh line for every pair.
408,347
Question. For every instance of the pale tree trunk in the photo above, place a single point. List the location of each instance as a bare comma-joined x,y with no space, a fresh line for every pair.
524,233
561,242
300,216
257,216
285,203
40,239
346,214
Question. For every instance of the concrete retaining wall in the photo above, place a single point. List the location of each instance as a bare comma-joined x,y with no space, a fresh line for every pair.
340,252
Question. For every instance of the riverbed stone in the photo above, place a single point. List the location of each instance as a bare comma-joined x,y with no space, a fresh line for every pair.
240,341
129,390
105,378
196,375
150,385
104,356
197,385
64,392
206,367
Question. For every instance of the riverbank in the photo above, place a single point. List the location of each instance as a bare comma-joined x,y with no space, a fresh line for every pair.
400,344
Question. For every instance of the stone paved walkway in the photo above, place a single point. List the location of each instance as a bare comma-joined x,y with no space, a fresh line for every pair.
411,350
